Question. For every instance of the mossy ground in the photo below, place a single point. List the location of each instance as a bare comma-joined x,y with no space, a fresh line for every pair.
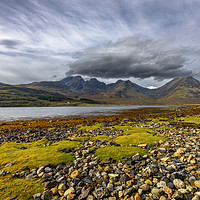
91,128
94,138
118,153
190,119
35,154
138,135
19,188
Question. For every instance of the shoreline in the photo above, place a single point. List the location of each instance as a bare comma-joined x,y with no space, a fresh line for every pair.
139,113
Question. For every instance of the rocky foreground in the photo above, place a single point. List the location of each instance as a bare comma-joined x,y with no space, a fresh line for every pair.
170,171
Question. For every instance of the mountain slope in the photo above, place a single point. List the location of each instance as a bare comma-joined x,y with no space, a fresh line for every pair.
20,96
179,91
50,86
123,92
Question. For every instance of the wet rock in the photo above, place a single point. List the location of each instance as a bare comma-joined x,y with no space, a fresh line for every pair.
179,184
47,170
178,195
124,178
46,195
167,190
156,191
62,187
71,190
136,157
40,170
8,165
183,191
90,197
162,198
37,196
137,197
196,197
71,196
99,193
75,174
145,187
161,184
197,183
85,193
54,191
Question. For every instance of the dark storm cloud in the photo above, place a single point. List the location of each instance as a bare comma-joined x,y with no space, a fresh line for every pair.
9,43
137,57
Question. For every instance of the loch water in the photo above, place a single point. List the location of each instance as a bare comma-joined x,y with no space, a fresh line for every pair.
23,113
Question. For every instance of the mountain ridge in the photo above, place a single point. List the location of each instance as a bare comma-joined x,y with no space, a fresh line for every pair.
75,89
179,90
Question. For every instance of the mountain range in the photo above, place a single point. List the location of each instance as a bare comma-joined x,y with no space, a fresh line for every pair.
74,90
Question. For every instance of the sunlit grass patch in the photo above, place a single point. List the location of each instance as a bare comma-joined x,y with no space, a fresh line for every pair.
119,128
118,153
138,135
91,128
94,138
35,154
138,130
19,188
190,119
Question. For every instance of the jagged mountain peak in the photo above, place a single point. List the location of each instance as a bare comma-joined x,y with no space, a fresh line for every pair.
72,78
178,91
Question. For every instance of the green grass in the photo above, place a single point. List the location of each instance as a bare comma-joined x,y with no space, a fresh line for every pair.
190,119
91,128
19,188
138,135
99,137
35,154
32,157
118,152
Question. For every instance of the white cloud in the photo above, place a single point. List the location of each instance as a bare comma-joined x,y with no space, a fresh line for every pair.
151,87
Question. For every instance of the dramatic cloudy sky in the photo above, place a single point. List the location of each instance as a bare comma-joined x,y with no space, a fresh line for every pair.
147,41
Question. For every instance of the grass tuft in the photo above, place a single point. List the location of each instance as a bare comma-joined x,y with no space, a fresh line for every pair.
137,136
118,153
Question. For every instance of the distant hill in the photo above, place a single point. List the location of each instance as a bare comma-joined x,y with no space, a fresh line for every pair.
123,92
11,95
180,90
77,90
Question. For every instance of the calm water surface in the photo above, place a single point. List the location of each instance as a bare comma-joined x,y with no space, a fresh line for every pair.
17,113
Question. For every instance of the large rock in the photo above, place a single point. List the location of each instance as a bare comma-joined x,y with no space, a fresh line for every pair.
179,184
85,194
71,190
136,157
75,174
99,193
